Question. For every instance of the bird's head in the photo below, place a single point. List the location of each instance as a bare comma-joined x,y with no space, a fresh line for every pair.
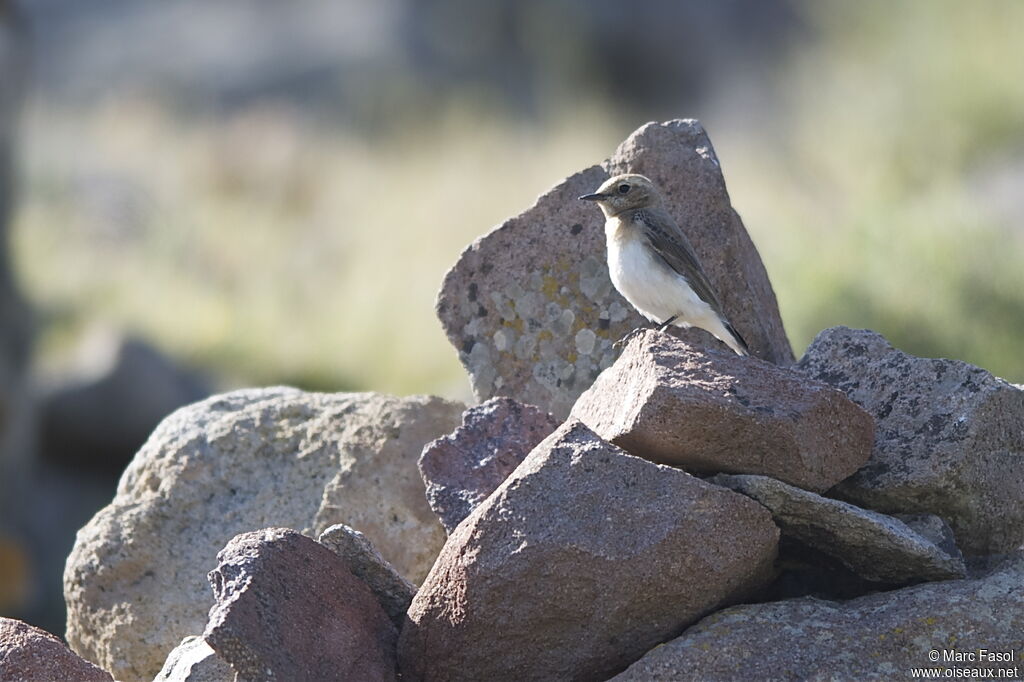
624,192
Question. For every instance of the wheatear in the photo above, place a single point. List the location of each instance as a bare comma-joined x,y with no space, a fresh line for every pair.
652,263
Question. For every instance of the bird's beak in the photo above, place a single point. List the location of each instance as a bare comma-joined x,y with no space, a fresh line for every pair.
596,196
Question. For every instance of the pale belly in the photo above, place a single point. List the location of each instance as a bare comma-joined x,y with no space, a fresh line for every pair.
653,288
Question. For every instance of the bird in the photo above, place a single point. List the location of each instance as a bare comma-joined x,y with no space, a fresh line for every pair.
652,263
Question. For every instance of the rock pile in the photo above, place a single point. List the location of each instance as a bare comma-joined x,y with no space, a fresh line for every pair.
698,515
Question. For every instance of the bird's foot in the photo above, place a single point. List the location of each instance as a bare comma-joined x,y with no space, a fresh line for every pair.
621,343
665,325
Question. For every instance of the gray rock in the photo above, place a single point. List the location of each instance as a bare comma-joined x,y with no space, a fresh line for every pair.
934,529
530,306
872,545
713,411
877,637
135,583
28,654
289,609
464,467
362,559
111,399
582,560
195,661
949,442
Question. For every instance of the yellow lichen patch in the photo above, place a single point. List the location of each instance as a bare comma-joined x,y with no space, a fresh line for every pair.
545,335
571,357
549,287
516,324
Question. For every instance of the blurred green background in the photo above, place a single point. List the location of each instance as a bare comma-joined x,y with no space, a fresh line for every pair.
271,192
297,231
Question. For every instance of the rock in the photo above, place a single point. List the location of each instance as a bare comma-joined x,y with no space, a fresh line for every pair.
135,583
195,661
714,411
934,529
582,560
878,637
288,609
464,467
362,559
117,391
28,654
530,306
949,442
872,545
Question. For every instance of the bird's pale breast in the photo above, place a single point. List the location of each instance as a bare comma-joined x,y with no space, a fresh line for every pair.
647,282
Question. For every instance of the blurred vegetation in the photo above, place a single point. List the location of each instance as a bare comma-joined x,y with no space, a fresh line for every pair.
269,245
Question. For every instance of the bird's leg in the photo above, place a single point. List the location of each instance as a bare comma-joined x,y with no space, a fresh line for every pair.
621,343
664,325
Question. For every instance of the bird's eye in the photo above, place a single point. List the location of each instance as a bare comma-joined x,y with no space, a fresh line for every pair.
623,188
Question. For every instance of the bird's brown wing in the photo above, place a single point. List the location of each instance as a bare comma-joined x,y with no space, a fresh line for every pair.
671,244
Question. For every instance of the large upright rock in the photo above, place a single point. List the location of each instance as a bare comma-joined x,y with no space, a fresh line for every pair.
289,609
530,306
582,560
135,583
879,637
464,467
950,437
713,411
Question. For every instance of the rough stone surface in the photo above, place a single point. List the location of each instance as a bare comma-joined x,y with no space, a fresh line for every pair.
530,306
362,559
581,561
877,637
464,467
933,528
713,411
872,545
195,661
289,609
28,654
135,583
950,437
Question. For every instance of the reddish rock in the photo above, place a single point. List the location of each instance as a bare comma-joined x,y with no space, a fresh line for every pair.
288,609
530,306
461,469
28,654
716,412
579,563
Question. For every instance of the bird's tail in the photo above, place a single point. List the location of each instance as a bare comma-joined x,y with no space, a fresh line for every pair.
737,342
